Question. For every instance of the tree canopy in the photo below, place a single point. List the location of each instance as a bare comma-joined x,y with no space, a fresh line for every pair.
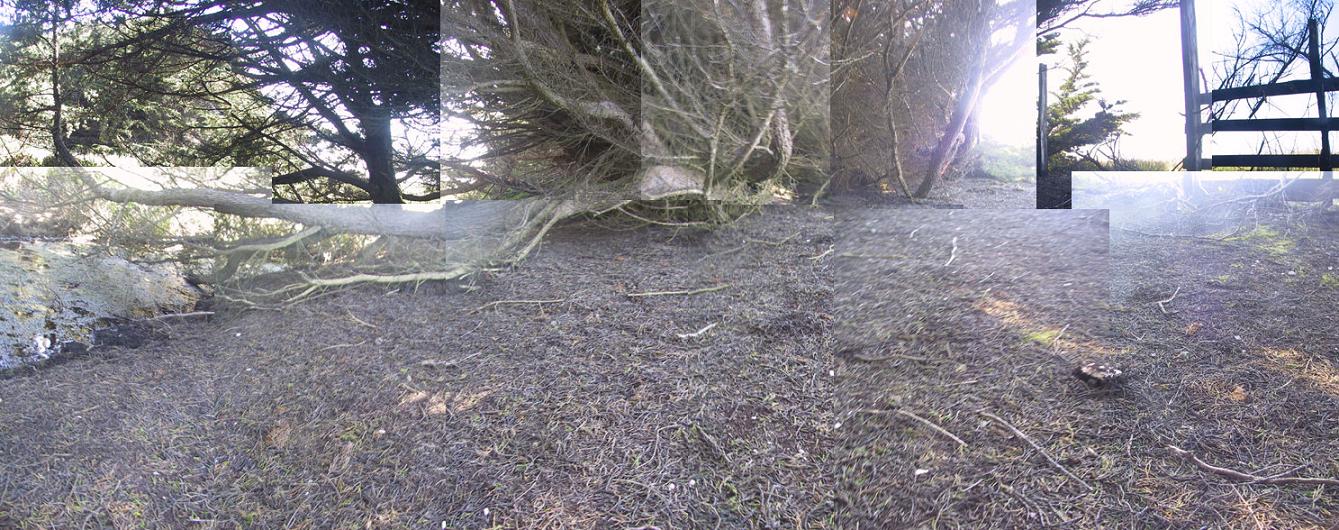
339,98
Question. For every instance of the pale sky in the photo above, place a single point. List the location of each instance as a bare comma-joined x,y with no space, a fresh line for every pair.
1138,59
1008,110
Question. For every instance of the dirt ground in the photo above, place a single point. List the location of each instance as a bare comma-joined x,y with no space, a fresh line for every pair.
955,193
987,193
942,354
433,409
817,377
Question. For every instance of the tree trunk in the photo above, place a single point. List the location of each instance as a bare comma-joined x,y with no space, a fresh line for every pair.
378,154
952,138
58,143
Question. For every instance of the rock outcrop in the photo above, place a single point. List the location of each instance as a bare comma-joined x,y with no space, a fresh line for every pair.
54,297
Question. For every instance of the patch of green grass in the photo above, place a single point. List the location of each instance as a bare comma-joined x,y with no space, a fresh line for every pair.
1268,240
1330,280
1223,278
1043,337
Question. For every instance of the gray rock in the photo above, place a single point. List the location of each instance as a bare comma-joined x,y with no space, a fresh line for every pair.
54,293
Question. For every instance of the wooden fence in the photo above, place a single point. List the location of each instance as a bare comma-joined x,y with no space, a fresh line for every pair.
1318,85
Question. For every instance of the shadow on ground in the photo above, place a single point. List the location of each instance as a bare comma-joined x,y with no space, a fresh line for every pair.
858,367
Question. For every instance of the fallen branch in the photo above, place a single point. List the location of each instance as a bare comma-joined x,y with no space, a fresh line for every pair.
932,425
1168,300
685,293
953,254
697,333
1247,477
870,256
864,359
775,243
496,303
1034,445
316,283
182,315
824,254
1056,341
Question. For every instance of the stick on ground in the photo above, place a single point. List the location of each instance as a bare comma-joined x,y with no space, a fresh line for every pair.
1169,299
931,425
505,302
1247,477
669,293
1034,445
697,333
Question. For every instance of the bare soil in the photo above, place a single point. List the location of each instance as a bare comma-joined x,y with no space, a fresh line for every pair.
803,384
429,408
1241,368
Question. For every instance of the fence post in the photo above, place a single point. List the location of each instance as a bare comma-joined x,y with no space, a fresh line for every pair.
1042,126
1190,70
1317,75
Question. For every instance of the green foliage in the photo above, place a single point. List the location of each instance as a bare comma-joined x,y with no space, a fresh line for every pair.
1330,280
1073,139
1267,240
1005,162
122,107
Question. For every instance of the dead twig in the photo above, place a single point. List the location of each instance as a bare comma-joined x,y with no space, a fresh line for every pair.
870,256
496,303
924,422
182,315
774,243
1247,477
333,346
952,254
1034,445
685,293
1168,300
697,333
888,357
1056,341
359,320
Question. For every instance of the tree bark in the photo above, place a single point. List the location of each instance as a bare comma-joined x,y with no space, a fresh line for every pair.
378,154
58,144
952,138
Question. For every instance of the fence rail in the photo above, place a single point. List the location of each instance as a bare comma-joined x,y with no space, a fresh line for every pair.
1318,85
